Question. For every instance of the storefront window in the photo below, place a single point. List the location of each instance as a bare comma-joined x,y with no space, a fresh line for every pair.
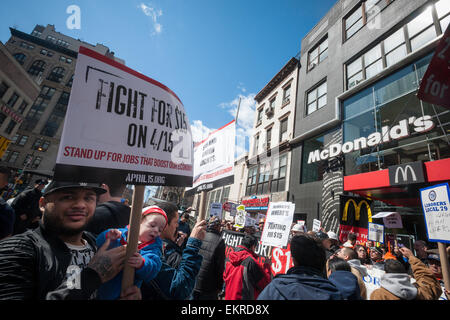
396,100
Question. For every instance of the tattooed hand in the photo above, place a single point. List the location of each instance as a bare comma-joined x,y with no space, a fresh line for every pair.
108,263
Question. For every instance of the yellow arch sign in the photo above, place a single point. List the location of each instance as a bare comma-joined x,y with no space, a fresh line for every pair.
357,210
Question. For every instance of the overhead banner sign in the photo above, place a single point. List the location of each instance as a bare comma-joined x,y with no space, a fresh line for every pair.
278,224
123,125
436,208
214,160
355,215
435,85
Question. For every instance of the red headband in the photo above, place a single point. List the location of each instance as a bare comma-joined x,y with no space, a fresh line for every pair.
154,209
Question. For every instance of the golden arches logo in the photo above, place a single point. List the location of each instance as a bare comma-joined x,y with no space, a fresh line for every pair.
357,210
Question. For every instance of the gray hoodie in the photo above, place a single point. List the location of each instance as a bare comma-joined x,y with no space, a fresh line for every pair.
356,263
399,284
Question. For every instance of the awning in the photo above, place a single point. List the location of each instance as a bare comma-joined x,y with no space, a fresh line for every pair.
377,185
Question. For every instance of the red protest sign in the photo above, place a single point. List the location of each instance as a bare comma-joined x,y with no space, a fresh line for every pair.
435,85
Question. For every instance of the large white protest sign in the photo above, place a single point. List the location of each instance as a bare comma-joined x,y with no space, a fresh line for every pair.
376,232
214,159
124,126
316,225
278,224
436,208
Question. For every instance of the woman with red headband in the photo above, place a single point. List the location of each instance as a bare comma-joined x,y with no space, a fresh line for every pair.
147,260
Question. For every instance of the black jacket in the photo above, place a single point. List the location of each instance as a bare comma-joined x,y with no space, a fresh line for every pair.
210,276
109,215
33,266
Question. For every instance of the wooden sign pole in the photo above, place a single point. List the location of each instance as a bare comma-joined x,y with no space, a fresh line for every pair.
133,234
202,209
444,265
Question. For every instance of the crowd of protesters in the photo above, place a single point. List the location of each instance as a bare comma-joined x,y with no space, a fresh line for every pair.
72,238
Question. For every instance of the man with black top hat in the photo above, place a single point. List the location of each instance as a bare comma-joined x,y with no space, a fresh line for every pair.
58,260
26,206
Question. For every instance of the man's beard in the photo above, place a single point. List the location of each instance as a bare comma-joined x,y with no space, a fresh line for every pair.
54,224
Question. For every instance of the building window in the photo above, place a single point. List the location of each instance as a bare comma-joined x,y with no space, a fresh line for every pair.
23,107
20,57
56,75
286,95
279,166
36,33
284,129
251,181
360,16
263,179
57,116
10,127
36,162
12,100
318,54
256,145
69,83
22,141
419,31
37,68
45,52
27,160
259,119
5,155
268,138
443,14
316,98
3,88
2,118
51,39
14,139
47,92
34,114
14,155
26,45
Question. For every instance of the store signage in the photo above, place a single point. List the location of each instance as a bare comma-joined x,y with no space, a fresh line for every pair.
355,215
406,173
8,111
256,203
435,85
397,132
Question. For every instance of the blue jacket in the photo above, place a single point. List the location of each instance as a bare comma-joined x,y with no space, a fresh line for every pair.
152,256
176,283
347,283
300,283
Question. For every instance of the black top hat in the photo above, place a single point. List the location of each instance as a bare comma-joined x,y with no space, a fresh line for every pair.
60,185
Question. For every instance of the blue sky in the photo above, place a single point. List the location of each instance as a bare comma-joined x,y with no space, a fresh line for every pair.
209,52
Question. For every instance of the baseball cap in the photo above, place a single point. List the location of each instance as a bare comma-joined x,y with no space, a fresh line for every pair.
321,235
60,185
332,235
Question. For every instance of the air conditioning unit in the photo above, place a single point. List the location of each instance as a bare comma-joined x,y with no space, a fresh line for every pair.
269,111
312,65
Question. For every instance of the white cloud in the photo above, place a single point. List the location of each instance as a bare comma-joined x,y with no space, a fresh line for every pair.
199,131
154,15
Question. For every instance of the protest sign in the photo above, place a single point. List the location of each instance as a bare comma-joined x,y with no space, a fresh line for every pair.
436,208
239,219
124,126
278,224
316,225
391,220
216,210
435,85
281,260
376,232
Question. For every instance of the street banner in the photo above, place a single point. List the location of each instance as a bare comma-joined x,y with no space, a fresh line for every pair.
436,208
435,85
214,159
123,125
278,224
216,210
239,219
316,225
376,232
355,215
392,220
